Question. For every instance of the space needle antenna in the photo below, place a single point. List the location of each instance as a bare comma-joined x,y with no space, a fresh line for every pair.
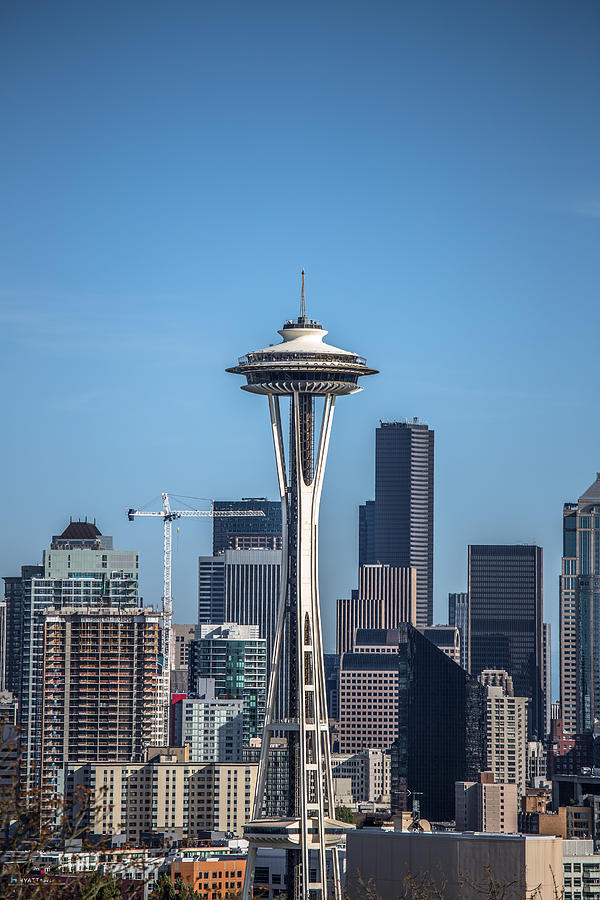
302,300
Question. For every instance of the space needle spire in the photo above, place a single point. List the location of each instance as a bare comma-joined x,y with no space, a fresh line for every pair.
303,368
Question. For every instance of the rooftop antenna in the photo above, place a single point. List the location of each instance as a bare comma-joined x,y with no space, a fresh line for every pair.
302,300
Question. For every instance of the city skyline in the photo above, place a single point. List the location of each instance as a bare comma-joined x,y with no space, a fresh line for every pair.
460,242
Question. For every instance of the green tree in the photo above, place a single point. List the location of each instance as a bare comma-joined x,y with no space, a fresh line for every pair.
344,814
164,889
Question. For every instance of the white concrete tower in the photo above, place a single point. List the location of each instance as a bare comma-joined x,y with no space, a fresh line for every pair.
303,368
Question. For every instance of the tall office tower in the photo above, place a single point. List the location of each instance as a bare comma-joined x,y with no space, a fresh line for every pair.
261,533
302,368
235,657
366,533
100,686
506,599
243,586
332,684
398,528
386,596
446,638
458,615
547,676
213,728
580,612
506,750
81,568
369,692
435,697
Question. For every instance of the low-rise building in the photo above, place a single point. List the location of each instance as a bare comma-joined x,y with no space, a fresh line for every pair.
167,794
581,870
215,879
453,865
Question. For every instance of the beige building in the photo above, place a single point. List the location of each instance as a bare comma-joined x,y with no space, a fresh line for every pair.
453,865
369,772
507,738
386,596
165,794
486,805
497,678
368,716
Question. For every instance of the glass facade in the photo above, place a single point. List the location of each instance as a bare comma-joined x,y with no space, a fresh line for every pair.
238,665
580,612
506,609
441,728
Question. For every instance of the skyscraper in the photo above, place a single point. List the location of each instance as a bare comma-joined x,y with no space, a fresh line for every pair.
262,533
100,685
458,615
234,656
303,368
506,600
243,586
386,595
580,612
81,568
441,728
397,528
547,676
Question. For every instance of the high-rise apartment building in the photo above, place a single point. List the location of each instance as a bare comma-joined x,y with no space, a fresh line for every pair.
260,533
397,527
181,637
100,685
234,656
458,615
441,727
386,596
14,593
506,737
506,607
81,569
580,612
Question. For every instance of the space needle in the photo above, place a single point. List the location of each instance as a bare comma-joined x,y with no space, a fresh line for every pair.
307,370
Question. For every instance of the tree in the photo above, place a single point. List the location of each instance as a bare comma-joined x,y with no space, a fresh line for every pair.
344,814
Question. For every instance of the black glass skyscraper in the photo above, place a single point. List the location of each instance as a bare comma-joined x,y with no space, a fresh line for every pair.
506,608
397,528
441,727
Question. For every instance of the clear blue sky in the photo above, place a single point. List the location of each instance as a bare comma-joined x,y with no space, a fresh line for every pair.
166,171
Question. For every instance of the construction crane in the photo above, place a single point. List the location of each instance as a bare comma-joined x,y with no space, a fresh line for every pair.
168,516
